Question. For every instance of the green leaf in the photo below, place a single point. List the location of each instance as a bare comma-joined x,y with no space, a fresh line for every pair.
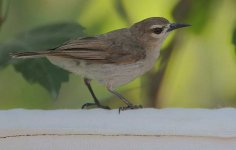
43,72
40,70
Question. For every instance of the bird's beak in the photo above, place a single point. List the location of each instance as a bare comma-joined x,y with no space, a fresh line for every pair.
174,26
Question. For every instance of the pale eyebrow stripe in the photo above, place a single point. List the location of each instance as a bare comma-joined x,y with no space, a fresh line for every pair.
156,26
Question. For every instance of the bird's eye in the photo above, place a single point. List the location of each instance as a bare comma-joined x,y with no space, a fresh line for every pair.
157,30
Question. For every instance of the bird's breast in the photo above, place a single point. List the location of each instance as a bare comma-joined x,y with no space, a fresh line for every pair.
121,74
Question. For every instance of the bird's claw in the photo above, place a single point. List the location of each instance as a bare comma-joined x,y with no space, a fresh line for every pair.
87,105
130,107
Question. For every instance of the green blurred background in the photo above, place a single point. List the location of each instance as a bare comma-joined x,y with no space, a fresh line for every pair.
197,67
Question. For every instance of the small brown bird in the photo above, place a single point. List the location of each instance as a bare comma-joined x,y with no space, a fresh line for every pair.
114,58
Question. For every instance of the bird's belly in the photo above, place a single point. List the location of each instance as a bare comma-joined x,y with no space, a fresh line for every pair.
116,75
112,74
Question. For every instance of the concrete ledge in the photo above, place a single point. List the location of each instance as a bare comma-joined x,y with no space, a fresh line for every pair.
107,129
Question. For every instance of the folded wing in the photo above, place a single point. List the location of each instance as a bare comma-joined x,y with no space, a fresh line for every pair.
100,50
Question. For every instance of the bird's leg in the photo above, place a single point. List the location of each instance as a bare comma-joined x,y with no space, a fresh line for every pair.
127,102
96,102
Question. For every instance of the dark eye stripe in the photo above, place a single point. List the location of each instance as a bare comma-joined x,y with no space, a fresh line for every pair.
157,30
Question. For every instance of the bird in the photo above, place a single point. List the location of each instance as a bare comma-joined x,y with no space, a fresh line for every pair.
114,58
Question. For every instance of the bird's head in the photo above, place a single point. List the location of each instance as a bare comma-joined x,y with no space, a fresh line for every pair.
152,31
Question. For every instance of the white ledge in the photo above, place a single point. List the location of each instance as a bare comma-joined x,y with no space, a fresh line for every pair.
216,128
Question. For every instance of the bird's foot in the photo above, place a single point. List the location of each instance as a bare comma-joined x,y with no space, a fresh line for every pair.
130,107
87,105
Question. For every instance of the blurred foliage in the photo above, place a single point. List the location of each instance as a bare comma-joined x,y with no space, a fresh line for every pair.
197,66
234,37
201,10
119,6
43,38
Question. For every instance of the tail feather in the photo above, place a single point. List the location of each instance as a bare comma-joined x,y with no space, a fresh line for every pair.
28,54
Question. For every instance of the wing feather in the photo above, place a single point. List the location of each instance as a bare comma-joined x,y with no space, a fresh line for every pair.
102,49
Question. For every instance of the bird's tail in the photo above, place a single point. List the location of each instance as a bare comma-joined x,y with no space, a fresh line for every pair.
28,54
